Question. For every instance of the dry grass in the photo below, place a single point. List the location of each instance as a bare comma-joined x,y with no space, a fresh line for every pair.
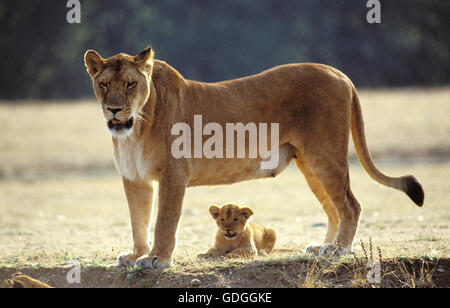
399,123
62,201
35,139
358,273
407,122
49,221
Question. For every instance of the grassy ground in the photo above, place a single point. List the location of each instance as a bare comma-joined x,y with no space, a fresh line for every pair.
63,201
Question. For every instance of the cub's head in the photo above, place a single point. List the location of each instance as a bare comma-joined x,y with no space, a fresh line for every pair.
122,85
231,219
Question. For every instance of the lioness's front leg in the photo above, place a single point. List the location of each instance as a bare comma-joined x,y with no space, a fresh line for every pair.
139,197
171,192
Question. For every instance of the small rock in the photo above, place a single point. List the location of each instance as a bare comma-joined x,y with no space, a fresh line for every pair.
195,282
440,269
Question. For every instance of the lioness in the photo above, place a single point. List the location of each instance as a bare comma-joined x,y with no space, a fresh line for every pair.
235,236
315,105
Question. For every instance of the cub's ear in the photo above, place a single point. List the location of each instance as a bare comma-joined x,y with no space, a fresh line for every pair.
214,210
145,56
93,62
246,212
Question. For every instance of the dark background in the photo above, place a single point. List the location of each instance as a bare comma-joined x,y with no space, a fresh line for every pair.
42,55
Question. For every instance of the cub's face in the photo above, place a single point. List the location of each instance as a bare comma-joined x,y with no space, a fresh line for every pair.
122,86
231,219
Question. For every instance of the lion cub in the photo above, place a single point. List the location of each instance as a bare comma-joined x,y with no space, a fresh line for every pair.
236,237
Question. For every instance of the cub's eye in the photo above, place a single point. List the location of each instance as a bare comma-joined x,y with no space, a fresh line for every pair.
221,219
131,84
104,85
234,220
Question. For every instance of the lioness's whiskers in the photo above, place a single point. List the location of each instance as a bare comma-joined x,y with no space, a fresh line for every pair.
143,117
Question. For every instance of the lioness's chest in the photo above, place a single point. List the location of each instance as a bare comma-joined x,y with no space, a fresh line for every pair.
130,161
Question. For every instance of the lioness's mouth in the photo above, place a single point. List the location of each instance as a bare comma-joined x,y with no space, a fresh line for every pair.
119,125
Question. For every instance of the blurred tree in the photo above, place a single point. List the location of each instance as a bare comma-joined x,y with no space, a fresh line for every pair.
42,54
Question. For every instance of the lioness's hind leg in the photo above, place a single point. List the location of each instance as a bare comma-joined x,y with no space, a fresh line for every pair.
321,195
335,181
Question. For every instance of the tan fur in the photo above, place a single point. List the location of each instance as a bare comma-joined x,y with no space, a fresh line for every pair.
236,237
24,281
314,104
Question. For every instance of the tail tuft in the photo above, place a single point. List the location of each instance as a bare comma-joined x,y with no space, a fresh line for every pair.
407,184
413,189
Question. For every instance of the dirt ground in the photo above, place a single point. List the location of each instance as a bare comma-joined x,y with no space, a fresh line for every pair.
63,204
291,272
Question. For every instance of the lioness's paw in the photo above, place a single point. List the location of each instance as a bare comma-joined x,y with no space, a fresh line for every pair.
313,249
153,262
263,252
126,259
331,250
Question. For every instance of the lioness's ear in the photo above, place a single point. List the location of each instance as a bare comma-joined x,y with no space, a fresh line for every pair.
246,212
93,62
214,210
145,56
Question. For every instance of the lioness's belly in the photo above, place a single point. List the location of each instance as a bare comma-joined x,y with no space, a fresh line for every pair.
232,170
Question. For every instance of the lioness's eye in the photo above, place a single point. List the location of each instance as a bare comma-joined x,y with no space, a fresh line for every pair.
235,219
131,84
221,219
104,85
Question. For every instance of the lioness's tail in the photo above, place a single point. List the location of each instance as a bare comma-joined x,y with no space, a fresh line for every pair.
408,184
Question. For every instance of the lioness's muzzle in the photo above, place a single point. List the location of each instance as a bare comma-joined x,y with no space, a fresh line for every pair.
119,125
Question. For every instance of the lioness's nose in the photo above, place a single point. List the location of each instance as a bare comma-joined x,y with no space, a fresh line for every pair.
114,110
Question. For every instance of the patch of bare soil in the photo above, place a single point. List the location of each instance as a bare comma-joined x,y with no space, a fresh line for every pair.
395,273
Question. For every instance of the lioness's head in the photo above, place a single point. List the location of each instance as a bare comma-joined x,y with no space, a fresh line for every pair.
231,219
122,85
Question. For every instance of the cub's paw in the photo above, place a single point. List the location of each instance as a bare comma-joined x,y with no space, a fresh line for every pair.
241,253
151,261
331,250
313,249
126,259
204,256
